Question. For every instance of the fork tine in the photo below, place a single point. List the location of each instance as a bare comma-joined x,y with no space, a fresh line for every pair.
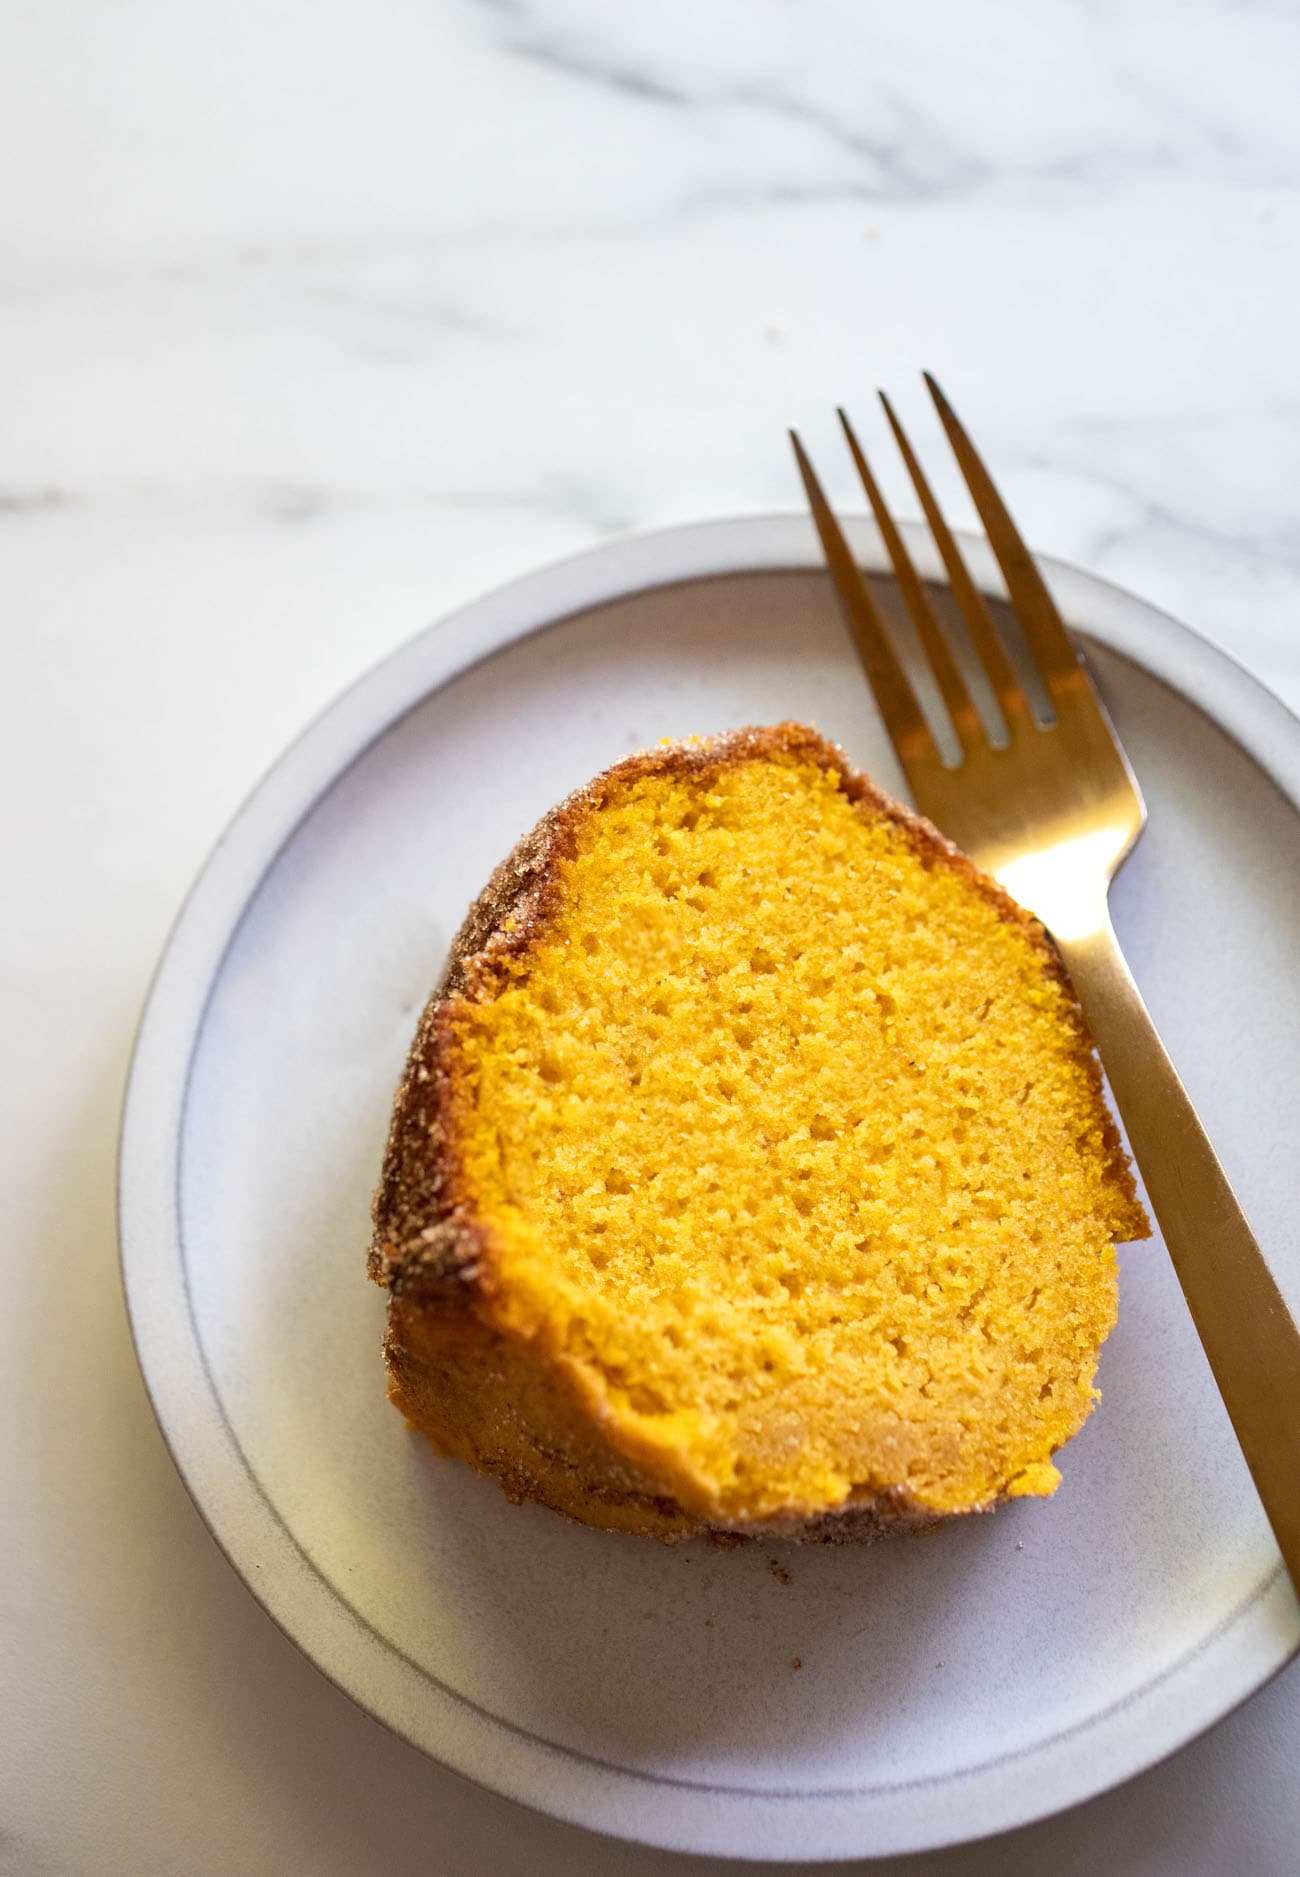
983,634
952,686
1050,647
908,731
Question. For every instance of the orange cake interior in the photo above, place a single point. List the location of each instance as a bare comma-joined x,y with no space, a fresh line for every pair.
787,1139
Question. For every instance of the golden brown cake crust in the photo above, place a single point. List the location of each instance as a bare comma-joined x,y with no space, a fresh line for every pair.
477,1390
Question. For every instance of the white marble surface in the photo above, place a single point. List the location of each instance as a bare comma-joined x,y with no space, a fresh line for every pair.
318,319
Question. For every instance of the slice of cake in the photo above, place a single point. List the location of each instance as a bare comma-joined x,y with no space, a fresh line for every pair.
751,1170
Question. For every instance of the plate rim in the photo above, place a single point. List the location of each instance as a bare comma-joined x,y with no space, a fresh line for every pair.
247,1527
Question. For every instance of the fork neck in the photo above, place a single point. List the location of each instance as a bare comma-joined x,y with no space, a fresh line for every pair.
1066,888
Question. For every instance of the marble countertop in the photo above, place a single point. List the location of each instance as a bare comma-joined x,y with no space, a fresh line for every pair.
318,319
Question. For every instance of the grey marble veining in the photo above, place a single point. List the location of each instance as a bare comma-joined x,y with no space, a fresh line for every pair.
588,262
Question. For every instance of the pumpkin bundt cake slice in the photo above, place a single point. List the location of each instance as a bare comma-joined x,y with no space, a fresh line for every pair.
751,1170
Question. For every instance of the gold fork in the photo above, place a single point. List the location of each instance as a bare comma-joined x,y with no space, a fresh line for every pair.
1052,814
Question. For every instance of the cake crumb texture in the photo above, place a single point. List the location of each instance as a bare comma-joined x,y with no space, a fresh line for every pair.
769,1133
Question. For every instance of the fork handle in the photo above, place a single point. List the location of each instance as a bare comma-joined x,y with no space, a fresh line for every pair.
1249,1335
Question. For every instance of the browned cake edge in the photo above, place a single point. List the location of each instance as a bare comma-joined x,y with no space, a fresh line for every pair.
509,1407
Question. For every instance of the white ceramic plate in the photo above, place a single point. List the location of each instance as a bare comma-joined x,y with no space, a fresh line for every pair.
950,1686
